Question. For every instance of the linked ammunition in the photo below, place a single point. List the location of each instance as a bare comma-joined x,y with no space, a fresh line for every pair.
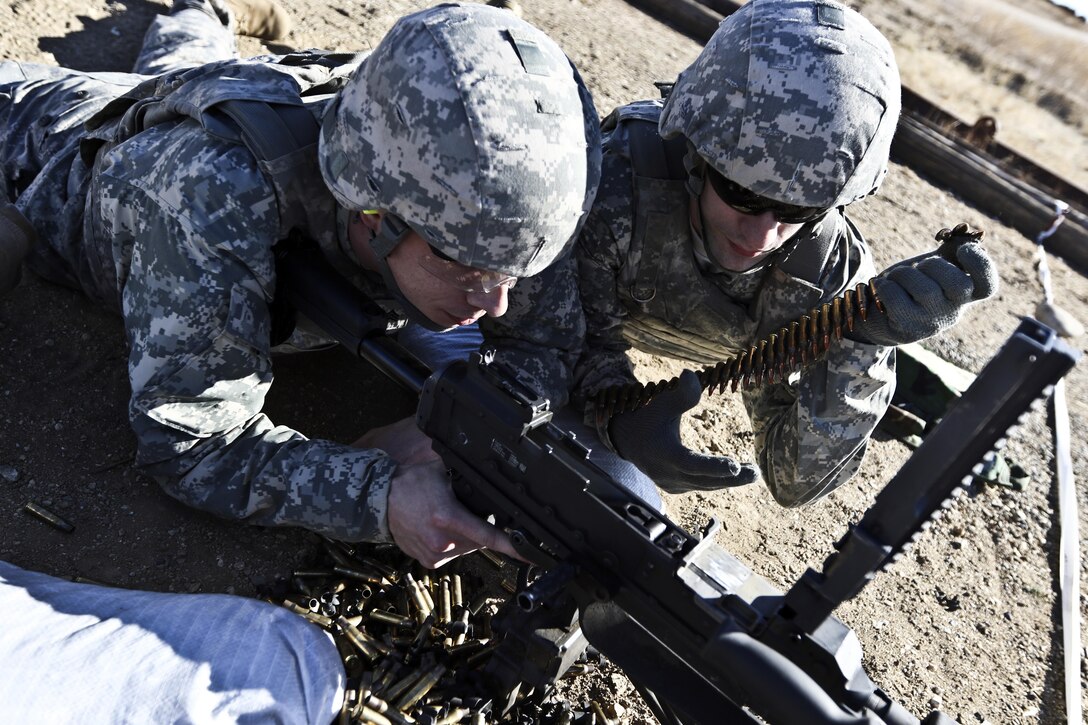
780,353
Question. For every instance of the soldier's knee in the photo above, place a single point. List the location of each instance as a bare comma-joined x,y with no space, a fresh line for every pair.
295,664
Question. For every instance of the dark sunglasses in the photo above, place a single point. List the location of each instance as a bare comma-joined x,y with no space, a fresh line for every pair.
748,202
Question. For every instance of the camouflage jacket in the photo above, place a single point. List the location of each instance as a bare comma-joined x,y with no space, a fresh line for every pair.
179,232
642,286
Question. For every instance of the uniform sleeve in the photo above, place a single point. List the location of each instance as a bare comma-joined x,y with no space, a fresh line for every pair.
600,257
811,432
541,334
197,319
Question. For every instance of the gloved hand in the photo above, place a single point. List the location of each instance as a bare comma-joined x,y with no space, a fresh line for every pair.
650,438
925,295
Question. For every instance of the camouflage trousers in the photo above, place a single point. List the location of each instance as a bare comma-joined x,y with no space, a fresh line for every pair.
43,109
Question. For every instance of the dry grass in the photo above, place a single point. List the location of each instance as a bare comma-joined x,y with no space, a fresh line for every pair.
1033,63
1050,56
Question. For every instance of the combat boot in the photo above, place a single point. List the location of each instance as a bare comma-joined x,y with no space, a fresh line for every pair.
510,5
16,236
263,19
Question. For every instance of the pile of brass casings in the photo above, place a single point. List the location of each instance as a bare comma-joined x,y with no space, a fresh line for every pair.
413,645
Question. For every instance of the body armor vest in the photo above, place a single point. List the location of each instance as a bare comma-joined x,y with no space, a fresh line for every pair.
267,106
673,307
273,108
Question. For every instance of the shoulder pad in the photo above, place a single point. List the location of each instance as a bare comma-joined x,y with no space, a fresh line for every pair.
638,111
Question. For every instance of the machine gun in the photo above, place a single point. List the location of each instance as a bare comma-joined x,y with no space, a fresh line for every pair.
703,638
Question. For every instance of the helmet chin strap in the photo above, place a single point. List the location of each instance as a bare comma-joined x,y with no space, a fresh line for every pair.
392,232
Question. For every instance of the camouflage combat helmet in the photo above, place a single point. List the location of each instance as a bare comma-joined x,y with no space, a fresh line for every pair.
795,100
472,127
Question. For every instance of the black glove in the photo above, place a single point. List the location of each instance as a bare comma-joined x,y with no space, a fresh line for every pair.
650,438
926,295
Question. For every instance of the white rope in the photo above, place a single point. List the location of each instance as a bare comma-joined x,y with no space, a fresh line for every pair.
1060,210
1068,556
1069,545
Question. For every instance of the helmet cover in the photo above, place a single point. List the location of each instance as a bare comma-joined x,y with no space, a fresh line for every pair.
474,128
795,100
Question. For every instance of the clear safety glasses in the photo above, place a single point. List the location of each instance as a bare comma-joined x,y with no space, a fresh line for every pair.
461,276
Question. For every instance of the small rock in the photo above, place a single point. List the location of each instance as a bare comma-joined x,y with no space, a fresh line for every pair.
9,473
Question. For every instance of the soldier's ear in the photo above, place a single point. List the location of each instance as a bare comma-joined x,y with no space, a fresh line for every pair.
370,218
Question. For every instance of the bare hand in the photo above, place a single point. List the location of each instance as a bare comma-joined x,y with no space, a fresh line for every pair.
428,522
403,441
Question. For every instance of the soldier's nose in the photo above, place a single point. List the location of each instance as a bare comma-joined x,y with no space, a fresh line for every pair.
493,303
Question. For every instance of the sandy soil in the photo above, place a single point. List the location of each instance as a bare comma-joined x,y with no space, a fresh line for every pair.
967,621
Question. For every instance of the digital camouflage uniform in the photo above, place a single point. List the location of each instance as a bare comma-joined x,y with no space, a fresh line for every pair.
642,286
160,213
796,101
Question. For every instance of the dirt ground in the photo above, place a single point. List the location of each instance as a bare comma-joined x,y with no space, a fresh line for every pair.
968,621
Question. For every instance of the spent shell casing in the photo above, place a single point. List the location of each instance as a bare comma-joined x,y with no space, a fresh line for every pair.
482,654
460,628
402,685
456,591
466,649
370,717
368,577
415,591
455,715
425,590
367,645
445,600
40,512
95,582
379,705
492,557
397,620
318,619
387,571
383,683
338,556
416,692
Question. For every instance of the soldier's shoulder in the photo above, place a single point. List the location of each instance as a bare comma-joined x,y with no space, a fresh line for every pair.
645,110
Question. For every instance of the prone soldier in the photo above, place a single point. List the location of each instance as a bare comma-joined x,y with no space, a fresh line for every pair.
162,194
